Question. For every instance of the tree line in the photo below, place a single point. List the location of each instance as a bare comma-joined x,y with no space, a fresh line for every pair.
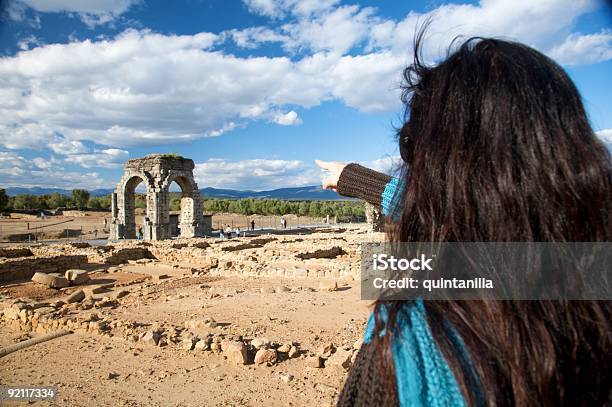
81,198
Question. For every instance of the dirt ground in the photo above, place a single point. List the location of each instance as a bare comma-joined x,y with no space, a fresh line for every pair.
95,225
93,368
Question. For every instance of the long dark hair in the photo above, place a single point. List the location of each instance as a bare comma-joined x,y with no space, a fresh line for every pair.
498,147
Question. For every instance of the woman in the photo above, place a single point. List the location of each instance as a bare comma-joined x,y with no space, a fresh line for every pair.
496,147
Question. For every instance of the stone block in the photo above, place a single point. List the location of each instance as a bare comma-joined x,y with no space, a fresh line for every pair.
77,276
76,296
49,280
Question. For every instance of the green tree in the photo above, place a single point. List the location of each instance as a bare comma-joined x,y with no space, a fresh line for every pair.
26,201
80,197
4,199
99,202
57,200
140,201
175,204
303,208
314,209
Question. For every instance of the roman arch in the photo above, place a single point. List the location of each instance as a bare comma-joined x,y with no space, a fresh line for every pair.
157,172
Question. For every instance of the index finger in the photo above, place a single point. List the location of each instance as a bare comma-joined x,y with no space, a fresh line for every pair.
325,165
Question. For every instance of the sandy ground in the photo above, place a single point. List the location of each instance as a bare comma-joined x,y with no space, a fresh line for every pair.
94,369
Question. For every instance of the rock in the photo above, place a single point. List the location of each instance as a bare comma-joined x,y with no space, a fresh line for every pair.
286,378
330,253
11,313
151,338
202,345
267,290
158,277
50,280
215,347
284,348
259,343
293,352
267,356
200,324
58,303
121,294
235,351
94,289
326,350
341,358
358,343
77,276
77,296
282,289
188,343
314,361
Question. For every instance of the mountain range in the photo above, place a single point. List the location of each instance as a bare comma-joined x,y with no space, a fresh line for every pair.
307,193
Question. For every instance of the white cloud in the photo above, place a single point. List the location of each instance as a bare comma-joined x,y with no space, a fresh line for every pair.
26,43
60,145
106,158
91,12
252,37
287,119
606,136
142,88
281,8
580,49
18,171
388,165
258,174
337,31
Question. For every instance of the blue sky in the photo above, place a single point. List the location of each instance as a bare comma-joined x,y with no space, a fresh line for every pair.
253,91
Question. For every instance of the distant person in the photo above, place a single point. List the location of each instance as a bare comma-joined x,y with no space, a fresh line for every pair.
221,234
228,231
237,232
253,225
42,215
139,233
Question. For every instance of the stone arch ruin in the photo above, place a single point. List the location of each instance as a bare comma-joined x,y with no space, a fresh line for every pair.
157,172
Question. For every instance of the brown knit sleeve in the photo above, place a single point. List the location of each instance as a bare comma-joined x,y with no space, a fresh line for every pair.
360,182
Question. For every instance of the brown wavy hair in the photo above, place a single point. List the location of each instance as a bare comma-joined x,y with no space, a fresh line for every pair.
497,147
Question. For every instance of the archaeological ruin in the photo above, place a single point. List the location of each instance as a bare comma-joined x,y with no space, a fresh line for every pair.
157,172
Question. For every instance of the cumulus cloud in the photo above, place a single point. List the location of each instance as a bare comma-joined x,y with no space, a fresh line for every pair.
18,171
106,158
606,136
143,88
91,12
287,119
388,165
580,49
282,8
258,174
